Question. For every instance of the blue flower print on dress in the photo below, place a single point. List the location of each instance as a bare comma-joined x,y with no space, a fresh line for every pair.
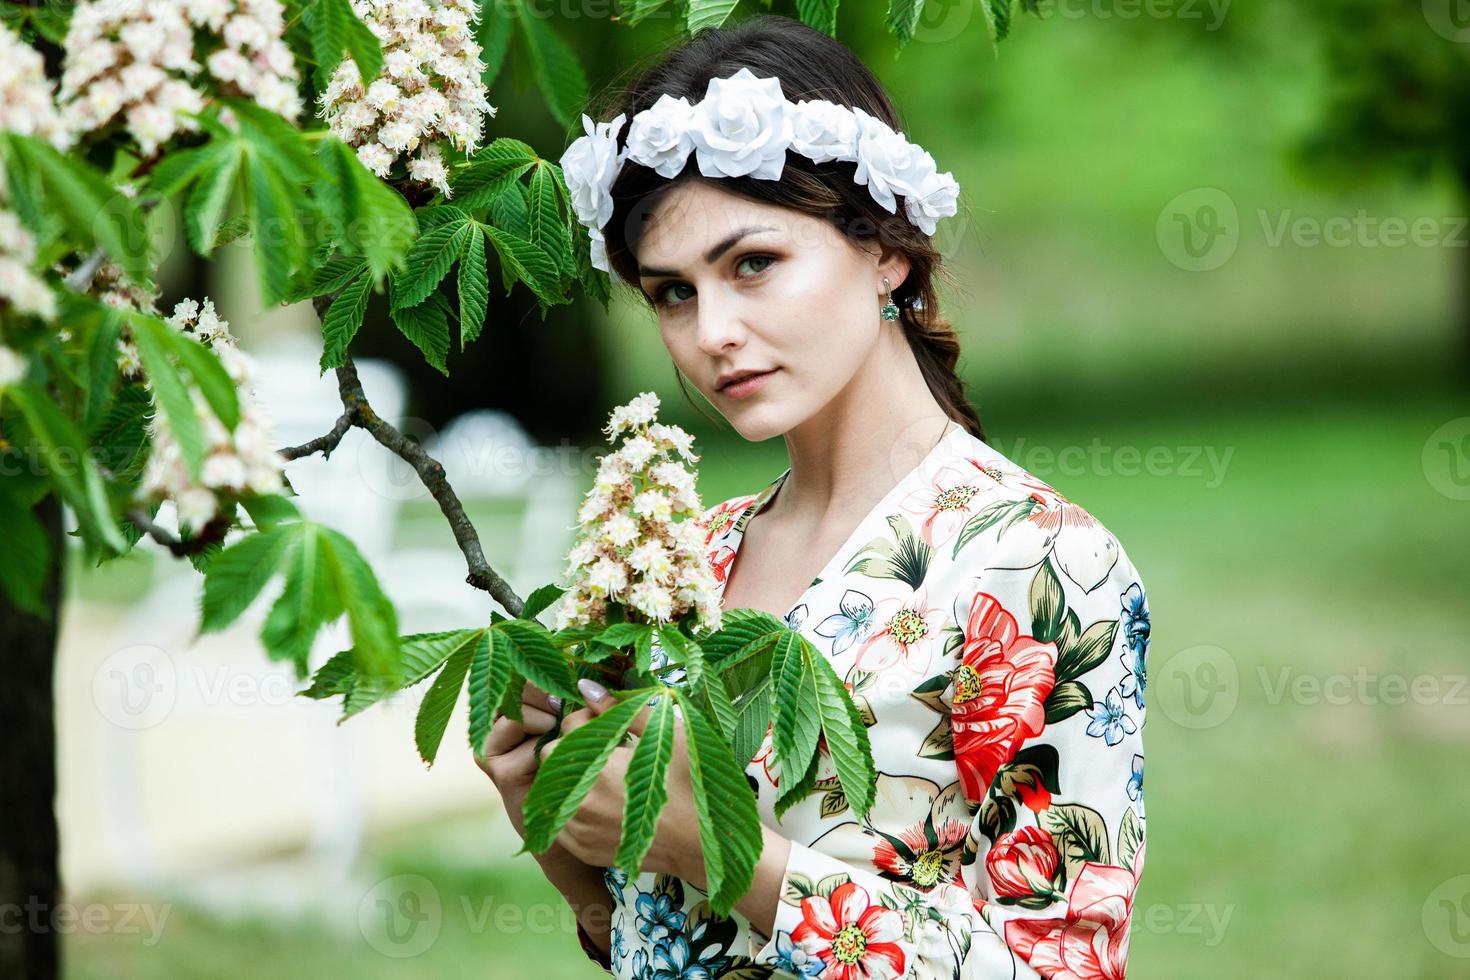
796,617
675,959
793,959
1135,615
658,918
619,946
616,879
853,623
1135,781
1136,680
1109,720
1135,653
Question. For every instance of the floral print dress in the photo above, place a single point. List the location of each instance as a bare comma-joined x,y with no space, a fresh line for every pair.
994,636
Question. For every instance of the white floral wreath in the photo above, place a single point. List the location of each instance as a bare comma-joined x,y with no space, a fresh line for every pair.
743,126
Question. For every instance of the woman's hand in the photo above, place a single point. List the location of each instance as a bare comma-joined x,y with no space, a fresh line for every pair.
509,759
509,753
594,831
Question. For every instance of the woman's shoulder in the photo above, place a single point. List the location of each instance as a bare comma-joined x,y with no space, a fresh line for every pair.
1019,513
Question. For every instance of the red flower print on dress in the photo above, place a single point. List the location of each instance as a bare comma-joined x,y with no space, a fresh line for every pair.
1091,943
1023,867
915,833
720,560
856,938
1000,688
943,505
905,633
717,520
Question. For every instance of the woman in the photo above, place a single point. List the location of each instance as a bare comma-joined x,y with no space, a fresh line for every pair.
992,633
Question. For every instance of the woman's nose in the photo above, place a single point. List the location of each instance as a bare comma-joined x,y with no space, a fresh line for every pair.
720,327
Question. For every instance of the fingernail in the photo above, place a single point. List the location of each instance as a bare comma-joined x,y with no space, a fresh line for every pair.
554,701
592,690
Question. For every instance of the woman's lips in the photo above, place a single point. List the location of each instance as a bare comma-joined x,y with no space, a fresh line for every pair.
748,385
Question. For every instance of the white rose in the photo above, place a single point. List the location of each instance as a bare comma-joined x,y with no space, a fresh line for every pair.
742,127
658,137
589,166
932,199
598,255
824,131
888,164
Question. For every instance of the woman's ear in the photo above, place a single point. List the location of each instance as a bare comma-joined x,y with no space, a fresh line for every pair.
895,265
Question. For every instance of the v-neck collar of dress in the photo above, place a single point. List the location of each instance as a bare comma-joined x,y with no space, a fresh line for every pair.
920,469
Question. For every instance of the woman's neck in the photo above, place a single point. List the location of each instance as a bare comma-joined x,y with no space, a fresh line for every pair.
852,452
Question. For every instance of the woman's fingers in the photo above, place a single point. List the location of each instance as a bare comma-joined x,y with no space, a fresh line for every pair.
537,722
537,698
507,733
504,735
576,719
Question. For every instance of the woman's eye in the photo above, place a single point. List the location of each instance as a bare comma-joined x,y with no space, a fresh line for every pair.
755,258
663,297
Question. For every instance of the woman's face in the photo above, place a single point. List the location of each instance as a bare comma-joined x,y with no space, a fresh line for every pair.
739,285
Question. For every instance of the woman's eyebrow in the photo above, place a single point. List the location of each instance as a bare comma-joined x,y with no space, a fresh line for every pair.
714,253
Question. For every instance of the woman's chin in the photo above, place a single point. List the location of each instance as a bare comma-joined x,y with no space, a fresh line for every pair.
758,422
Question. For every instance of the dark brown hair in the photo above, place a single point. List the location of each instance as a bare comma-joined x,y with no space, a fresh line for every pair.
810,65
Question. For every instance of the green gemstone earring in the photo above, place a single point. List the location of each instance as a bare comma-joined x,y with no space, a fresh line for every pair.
889,310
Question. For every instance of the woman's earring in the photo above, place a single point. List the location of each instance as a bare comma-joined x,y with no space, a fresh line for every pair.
889,310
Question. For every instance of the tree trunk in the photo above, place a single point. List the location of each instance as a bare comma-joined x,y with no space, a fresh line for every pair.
30,880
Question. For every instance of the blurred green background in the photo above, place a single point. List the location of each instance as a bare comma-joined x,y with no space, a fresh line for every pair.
1303,532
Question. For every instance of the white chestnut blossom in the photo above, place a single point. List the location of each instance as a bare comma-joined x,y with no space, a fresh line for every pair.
631,549
136,59
12,366
27,104
235,463
112,286
27,108
429,95
20,288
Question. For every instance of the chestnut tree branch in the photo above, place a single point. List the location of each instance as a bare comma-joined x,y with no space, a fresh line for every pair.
358,412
